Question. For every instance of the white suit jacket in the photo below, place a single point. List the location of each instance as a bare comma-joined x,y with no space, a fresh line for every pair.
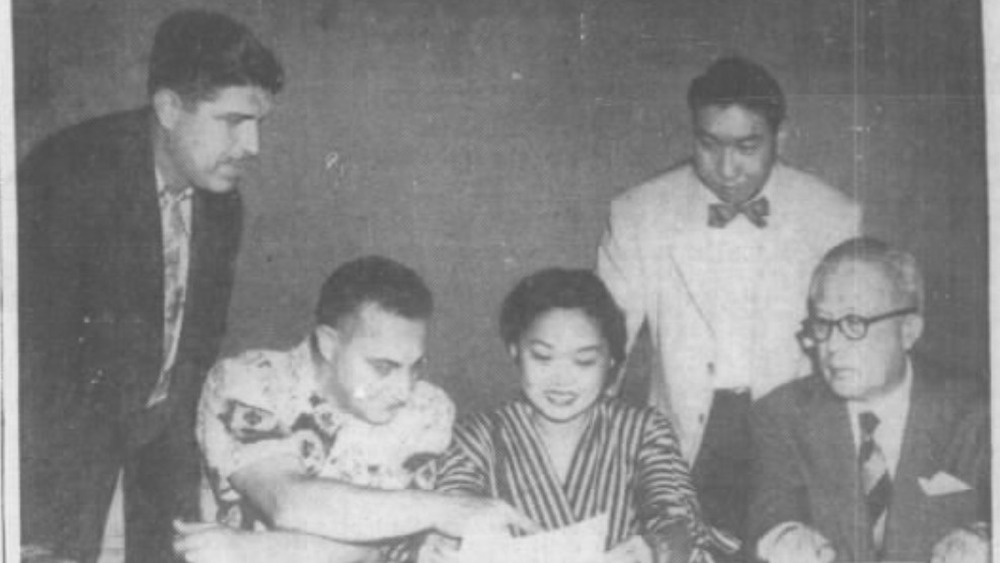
656,258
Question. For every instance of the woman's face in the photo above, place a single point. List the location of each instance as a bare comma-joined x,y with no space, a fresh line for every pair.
564,360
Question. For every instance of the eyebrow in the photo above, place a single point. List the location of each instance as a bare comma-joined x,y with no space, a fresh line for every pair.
239,115
753,137
587,348
377,359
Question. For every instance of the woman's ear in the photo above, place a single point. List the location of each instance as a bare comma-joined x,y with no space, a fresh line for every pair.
513,351
782,138
612,379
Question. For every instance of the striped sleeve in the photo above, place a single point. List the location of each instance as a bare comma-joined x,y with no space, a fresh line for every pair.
465,467
665,495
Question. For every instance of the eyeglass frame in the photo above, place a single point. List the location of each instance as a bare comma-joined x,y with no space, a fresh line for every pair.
865,323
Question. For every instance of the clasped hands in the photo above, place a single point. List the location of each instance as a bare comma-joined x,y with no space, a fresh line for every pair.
794,542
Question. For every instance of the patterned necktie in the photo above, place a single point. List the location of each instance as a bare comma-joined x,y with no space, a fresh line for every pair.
874,478
175,242
756,210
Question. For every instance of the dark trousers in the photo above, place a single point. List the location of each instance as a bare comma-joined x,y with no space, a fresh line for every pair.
161,482
721,472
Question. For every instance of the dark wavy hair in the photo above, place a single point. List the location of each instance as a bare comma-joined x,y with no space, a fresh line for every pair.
737,81
373,280
197,52
559,288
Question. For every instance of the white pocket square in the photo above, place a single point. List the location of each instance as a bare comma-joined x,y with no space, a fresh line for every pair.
942,483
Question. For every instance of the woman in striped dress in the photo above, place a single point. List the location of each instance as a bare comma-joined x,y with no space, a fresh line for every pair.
564,451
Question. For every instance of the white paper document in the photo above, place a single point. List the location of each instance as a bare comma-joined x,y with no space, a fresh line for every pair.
582,542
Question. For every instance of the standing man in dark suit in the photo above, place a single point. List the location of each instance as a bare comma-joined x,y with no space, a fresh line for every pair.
878,456
129,227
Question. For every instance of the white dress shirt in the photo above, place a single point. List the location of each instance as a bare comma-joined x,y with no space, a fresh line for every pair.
891,410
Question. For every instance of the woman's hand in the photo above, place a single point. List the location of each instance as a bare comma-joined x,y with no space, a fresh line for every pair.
632,550
438,549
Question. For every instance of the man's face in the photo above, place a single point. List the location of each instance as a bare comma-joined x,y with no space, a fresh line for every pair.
209,143
376,358
734,151
867,368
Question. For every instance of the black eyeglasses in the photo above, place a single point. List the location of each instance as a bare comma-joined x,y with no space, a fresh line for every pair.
853,327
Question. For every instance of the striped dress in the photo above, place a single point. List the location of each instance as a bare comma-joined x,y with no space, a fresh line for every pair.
627,464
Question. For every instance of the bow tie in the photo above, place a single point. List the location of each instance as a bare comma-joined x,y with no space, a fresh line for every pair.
757,210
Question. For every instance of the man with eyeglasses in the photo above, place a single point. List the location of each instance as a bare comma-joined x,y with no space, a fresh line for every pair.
878,456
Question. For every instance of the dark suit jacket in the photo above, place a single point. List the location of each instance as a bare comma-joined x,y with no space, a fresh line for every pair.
91,313
807,466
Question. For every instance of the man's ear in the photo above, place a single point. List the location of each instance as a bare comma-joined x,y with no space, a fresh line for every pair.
327,341
167,105
781,138
913,327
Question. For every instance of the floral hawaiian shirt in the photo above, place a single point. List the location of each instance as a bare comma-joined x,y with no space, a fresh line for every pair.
263,404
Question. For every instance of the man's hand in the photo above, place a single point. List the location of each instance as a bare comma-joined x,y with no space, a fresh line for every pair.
438,549
632,550
963,545
37,554
207,542
794,542
458,516
215,543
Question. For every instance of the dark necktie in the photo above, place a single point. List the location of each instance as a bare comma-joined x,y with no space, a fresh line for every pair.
756,210
875,479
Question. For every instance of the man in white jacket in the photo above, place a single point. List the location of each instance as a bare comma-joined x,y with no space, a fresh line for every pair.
715,255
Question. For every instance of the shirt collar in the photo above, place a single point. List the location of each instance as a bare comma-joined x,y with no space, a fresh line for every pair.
163,190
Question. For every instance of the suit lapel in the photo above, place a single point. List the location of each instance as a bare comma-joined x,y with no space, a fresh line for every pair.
690,264
916,459
142,231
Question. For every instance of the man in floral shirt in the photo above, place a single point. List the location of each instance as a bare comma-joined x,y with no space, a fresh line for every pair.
327,447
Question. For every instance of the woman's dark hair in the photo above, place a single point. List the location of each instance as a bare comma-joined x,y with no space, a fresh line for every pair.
559,288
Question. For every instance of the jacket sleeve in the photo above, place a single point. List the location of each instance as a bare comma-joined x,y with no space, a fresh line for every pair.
52,252
620,267
778,487
54,245
668,506
466,467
